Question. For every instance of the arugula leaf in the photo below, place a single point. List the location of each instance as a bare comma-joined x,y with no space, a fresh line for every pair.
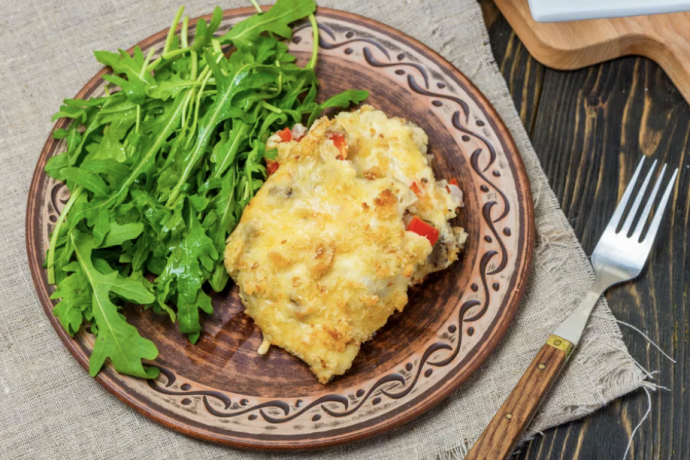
117,171
91,102
123,63
116,339
170,88
88,180
134,89
188,314
67,111
204,33
118,234
183,273
276,20
342,100
225,208
201,38
71,135
110,147
55,166
75,294
101,226
225,155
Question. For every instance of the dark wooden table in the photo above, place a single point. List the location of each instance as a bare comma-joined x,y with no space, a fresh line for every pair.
589,128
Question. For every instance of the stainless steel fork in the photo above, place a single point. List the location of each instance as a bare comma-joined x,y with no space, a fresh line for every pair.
619,256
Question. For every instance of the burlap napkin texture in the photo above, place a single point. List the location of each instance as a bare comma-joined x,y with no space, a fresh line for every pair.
50,408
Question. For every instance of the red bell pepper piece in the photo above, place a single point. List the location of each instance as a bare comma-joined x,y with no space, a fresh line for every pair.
340,144
421,228
415,188
271,166
285,135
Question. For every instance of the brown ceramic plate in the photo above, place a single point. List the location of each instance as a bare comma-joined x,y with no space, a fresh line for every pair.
221,390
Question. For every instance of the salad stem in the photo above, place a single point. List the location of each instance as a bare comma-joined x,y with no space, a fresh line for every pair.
56,233
270,107
315,46
171,32
172,54
146,63
206,74
184,33
154,64
194,65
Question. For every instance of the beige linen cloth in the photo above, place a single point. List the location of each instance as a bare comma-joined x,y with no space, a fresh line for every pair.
51,409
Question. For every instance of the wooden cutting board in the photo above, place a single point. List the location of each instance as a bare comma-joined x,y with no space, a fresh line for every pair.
664,38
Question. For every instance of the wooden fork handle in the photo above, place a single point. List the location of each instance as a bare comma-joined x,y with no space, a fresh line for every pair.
505,430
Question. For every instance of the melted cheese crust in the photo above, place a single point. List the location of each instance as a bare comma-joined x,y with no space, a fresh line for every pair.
321,254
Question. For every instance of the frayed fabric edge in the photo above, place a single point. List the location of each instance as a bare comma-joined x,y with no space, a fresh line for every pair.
458,452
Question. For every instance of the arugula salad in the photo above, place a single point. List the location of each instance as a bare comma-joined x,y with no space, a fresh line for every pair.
160,168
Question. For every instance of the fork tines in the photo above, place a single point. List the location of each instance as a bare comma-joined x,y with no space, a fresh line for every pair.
615,221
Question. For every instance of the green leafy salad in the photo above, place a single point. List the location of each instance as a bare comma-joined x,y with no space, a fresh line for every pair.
160,168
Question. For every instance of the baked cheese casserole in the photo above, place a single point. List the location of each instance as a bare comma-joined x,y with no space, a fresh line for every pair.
350,217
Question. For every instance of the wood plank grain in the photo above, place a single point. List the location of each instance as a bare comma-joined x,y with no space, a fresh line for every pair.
589,128
523,74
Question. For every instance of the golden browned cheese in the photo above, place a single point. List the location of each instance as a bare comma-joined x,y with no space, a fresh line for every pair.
321,255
